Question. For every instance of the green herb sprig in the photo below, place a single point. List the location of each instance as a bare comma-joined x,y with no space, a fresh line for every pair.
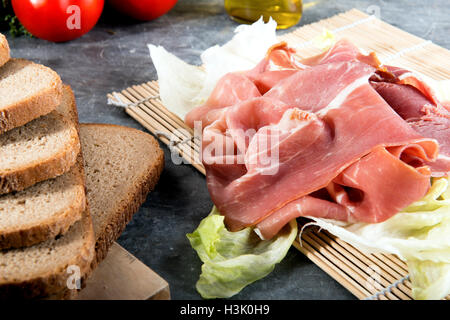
9,21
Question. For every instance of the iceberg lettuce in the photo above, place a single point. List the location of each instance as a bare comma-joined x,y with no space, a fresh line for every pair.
419,235
183,86
233,260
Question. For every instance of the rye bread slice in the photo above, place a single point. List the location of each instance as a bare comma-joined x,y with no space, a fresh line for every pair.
42,211
42,149
122,166
28,90
4,50
48,208
43,269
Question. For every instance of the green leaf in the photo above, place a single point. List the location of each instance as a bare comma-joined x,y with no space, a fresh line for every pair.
233,260
9,22
420,235
431,279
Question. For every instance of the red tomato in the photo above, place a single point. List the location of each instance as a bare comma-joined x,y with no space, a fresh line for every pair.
143,9
58,20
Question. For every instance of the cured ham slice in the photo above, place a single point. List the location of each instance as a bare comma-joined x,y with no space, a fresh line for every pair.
278,64
405,77
342,50
231,89
240,86
416,103
314,88
312,152
359,194
315,137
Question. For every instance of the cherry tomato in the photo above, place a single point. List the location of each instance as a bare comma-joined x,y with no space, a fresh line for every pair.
58,20
143,9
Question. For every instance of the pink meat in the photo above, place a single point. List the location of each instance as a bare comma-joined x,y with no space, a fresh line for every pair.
231,89
421,110
361,193
314,148
341,51
313,137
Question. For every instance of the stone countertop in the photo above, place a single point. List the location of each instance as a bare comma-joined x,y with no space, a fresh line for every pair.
114,56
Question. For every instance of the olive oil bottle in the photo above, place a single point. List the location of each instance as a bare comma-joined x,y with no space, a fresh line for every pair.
286,13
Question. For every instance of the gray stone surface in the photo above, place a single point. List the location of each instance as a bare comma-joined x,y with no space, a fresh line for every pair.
114,56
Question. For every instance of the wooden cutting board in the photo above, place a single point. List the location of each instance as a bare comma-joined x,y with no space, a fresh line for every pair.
121,276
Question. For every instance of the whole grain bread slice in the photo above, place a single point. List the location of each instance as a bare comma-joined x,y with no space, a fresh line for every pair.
48,268
45,269
122,166
4,50
48,208
42,211
42,149
28,90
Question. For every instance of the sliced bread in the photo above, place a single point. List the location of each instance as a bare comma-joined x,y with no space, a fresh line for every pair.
28,91
48,208
42,211
122,165
4,50
46,268
42,149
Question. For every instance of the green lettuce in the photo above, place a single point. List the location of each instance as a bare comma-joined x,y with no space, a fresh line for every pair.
420,235
233,260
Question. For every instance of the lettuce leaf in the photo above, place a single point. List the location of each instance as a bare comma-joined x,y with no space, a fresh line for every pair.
183,86
233,260
431,280
420,235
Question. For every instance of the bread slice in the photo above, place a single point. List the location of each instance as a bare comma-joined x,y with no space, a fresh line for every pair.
28,91
50,207
122,165
45,268
42,211
42,149
4,50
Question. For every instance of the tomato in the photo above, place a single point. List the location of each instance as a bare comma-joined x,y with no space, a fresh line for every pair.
58,20
143,9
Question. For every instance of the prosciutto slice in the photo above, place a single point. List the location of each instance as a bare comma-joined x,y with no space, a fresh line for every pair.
240,86
342,50
231,89
311,137
278,64
355,196
313,150
417,104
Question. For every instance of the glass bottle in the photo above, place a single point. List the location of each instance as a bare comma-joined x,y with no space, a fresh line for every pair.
286,13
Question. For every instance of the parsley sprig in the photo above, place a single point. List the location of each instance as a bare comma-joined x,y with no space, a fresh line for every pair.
9,21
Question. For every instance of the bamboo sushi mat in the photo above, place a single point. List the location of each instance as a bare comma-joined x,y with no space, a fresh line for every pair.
367,276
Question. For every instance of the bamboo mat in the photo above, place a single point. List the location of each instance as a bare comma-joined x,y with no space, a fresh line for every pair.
367,276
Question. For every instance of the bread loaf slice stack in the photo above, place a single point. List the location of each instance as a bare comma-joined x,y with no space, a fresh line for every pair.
45,224
51,228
